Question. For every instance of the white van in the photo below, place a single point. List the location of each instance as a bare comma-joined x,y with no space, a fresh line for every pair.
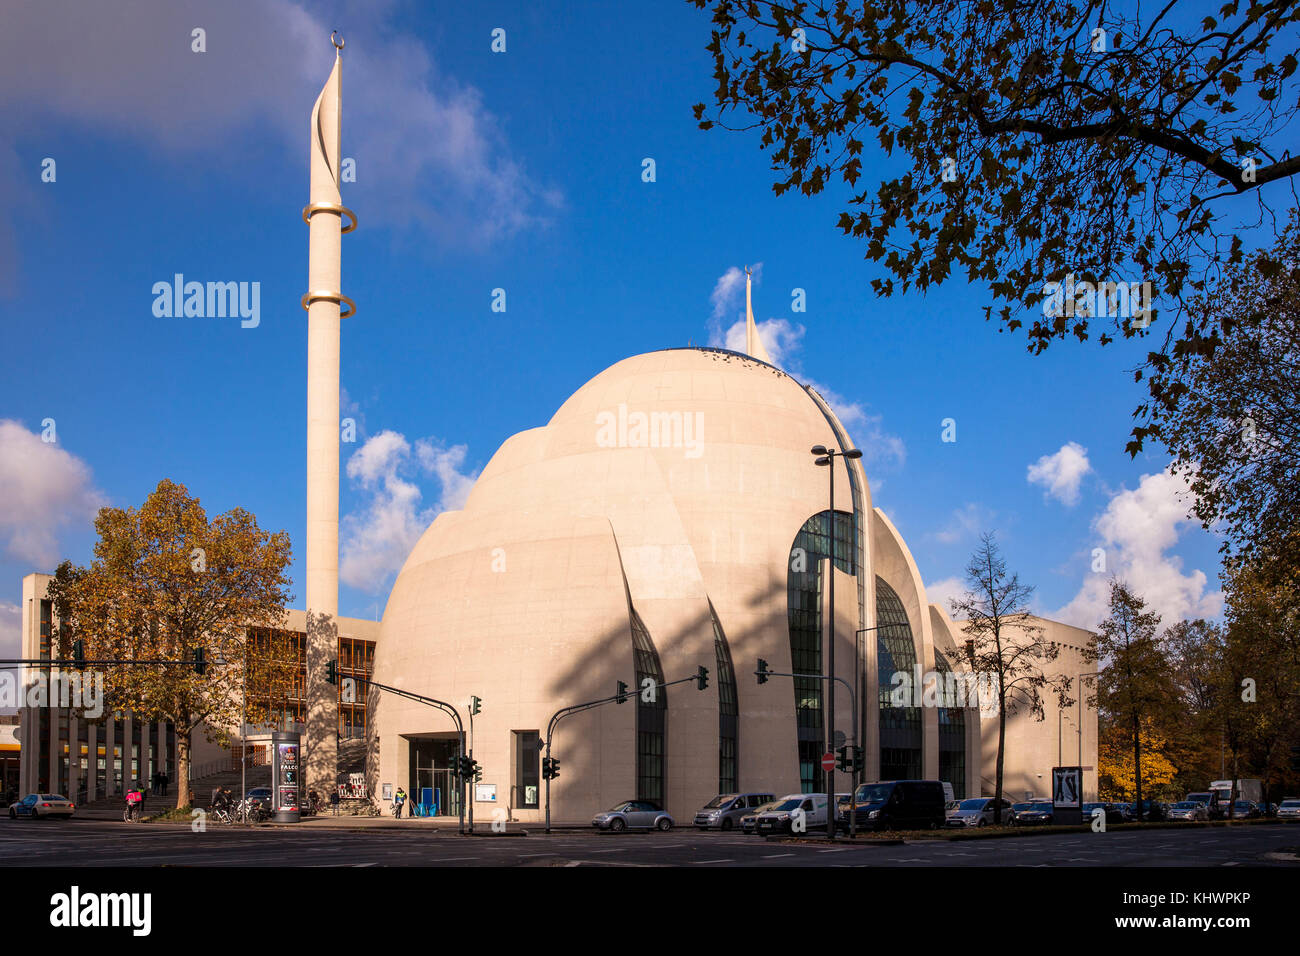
793,807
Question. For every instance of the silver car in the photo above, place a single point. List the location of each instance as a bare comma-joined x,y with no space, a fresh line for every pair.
977,812
633,815
1189,810
1288,810
724,812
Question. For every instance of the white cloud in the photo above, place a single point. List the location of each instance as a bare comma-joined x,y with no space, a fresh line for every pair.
11,625
378,538
430,154
942,593
42,490
780,337
1136,530
727,290
967,521
1061,472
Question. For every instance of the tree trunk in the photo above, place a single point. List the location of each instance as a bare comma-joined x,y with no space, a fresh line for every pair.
1137,765
1002,742
183,732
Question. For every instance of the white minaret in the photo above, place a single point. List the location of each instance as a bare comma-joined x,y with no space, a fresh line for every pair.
753,344
323,302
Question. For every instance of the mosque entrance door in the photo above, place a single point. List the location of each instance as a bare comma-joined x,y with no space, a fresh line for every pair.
432,786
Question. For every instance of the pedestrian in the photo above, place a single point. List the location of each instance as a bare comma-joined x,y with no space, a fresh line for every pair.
216,795
164,780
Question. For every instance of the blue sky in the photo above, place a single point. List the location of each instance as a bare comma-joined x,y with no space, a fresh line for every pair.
477,171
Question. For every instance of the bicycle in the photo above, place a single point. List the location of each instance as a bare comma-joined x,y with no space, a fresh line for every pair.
397,808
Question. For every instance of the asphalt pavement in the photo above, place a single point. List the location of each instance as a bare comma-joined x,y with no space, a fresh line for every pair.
104,843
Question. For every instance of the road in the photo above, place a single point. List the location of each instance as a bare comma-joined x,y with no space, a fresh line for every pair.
100,843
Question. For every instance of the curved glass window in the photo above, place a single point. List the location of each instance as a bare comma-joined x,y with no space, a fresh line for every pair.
900,726
952,729
651,717
728,710
804,611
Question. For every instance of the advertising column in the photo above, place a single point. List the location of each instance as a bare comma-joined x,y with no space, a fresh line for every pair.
285,776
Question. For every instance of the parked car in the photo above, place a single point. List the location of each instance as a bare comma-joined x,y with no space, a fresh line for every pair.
1111,812
1189,810
633,815
1210,800
897,805
1036,814
724,811
1152,810
1288,810
780,819
748,821
1245,810
41,806
977,812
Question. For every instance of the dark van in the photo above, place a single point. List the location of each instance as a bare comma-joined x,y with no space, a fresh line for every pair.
897,805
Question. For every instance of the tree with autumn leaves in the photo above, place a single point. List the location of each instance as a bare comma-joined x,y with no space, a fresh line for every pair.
166,584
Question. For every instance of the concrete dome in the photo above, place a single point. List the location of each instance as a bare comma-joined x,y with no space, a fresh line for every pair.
647,527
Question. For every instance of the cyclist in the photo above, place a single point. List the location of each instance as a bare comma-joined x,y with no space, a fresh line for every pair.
134,804
399,799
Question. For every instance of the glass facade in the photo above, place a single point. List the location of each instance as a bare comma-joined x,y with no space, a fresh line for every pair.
651,717
900,726
952,731
728,710
285,701
804,611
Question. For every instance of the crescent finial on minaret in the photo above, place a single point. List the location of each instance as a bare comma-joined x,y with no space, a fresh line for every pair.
337,40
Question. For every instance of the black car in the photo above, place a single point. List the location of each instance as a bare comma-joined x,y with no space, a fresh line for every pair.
1036,814
1112,812
1152,811
896,805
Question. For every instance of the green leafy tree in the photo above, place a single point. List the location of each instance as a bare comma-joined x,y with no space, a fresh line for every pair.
1226,401
165,584
1133,687
1024,142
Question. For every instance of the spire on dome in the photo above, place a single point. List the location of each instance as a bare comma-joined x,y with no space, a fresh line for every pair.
753,344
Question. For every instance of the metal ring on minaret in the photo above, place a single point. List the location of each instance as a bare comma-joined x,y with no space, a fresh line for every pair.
324,295
338,44
336,208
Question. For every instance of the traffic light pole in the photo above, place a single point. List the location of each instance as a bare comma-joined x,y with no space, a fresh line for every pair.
445,708
763,674
701,678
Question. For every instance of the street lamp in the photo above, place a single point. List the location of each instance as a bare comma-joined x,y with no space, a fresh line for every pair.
825,457
1081,677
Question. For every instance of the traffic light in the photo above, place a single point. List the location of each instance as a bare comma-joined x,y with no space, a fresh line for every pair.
859,759
331,672
200,662
843,761
550,768
762,671
701,677
79,654
622,691
1295,759
475,704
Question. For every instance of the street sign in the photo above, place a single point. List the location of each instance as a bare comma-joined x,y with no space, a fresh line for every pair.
839,740
828,761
